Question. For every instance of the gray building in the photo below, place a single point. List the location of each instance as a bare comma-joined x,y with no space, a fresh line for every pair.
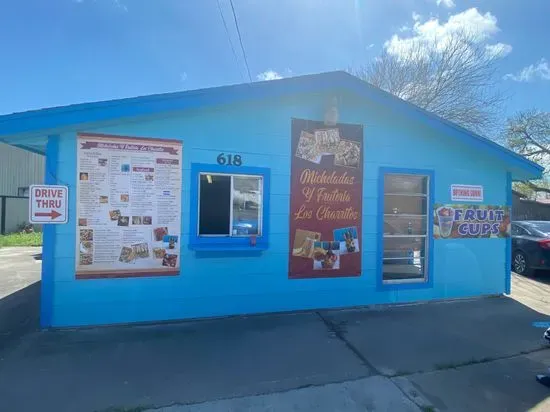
18,170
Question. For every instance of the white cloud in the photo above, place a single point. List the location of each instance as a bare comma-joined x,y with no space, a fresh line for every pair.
480,26
539,70
498,49
370,46
269,75
404,28
447,3
120,5
183,76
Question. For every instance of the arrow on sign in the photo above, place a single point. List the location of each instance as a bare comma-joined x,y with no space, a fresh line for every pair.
53,214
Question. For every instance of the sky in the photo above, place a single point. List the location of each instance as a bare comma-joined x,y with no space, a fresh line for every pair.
60,52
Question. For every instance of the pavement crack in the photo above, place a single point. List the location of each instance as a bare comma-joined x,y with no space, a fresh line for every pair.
474,361
339,333
414,395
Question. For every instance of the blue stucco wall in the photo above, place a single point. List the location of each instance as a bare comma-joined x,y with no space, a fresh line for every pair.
211,285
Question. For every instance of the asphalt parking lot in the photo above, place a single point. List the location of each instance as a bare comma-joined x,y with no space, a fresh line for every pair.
19,292
478,355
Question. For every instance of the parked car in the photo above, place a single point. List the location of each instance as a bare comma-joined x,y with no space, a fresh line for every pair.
530,246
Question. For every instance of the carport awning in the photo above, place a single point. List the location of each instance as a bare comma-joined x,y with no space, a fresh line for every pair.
34,144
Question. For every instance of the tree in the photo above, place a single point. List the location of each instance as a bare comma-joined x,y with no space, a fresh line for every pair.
454,77
528,133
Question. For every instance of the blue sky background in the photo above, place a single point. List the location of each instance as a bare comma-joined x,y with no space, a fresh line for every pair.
58,52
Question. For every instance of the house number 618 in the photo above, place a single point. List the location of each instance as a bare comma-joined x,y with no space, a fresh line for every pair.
229,160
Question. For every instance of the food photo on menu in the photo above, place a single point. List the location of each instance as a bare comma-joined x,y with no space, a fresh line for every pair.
86,259
123,221
347,153
170,241
307,149
86,234
326,255
159,233
348,240
328,142
159,252
127,255
303,243
86,246
141,250
170,260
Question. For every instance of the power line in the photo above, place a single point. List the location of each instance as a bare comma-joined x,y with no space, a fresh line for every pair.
229,38
240,40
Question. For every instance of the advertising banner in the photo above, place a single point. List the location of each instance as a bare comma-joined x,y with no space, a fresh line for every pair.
326,188
128,207
453,221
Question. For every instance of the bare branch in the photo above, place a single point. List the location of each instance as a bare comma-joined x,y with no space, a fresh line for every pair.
535,187
454,79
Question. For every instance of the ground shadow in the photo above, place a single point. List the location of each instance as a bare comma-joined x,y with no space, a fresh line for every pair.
542,276
19,314
198,361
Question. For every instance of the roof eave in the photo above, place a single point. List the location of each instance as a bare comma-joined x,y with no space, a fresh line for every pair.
31,125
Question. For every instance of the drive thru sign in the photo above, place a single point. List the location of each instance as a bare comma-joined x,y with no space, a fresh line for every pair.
48,204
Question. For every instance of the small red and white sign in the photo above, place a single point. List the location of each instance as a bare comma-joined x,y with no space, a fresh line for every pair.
467,193
48,204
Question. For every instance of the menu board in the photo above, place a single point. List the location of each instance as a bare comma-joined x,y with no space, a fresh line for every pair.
128,206
454,221
326,189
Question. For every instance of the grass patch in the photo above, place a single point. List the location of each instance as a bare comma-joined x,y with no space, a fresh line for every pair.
21,239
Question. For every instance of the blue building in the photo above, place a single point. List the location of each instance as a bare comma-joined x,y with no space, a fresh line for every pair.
310,192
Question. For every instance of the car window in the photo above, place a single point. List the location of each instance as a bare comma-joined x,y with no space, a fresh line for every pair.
541,227
519,231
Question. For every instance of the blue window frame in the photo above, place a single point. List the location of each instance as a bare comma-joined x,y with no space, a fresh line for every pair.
229,232
405,226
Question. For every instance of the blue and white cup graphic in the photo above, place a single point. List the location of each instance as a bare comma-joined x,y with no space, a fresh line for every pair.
446,217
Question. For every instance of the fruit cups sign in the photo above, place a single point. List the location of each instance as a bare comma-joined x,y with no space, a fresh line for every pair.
453,221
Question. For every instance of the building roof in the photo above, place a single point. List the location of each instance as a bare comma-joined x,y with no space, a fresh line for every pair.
29,130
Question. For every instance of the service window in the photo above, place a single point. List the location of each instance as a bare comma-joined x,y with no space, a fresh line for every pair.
230,205
405,230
